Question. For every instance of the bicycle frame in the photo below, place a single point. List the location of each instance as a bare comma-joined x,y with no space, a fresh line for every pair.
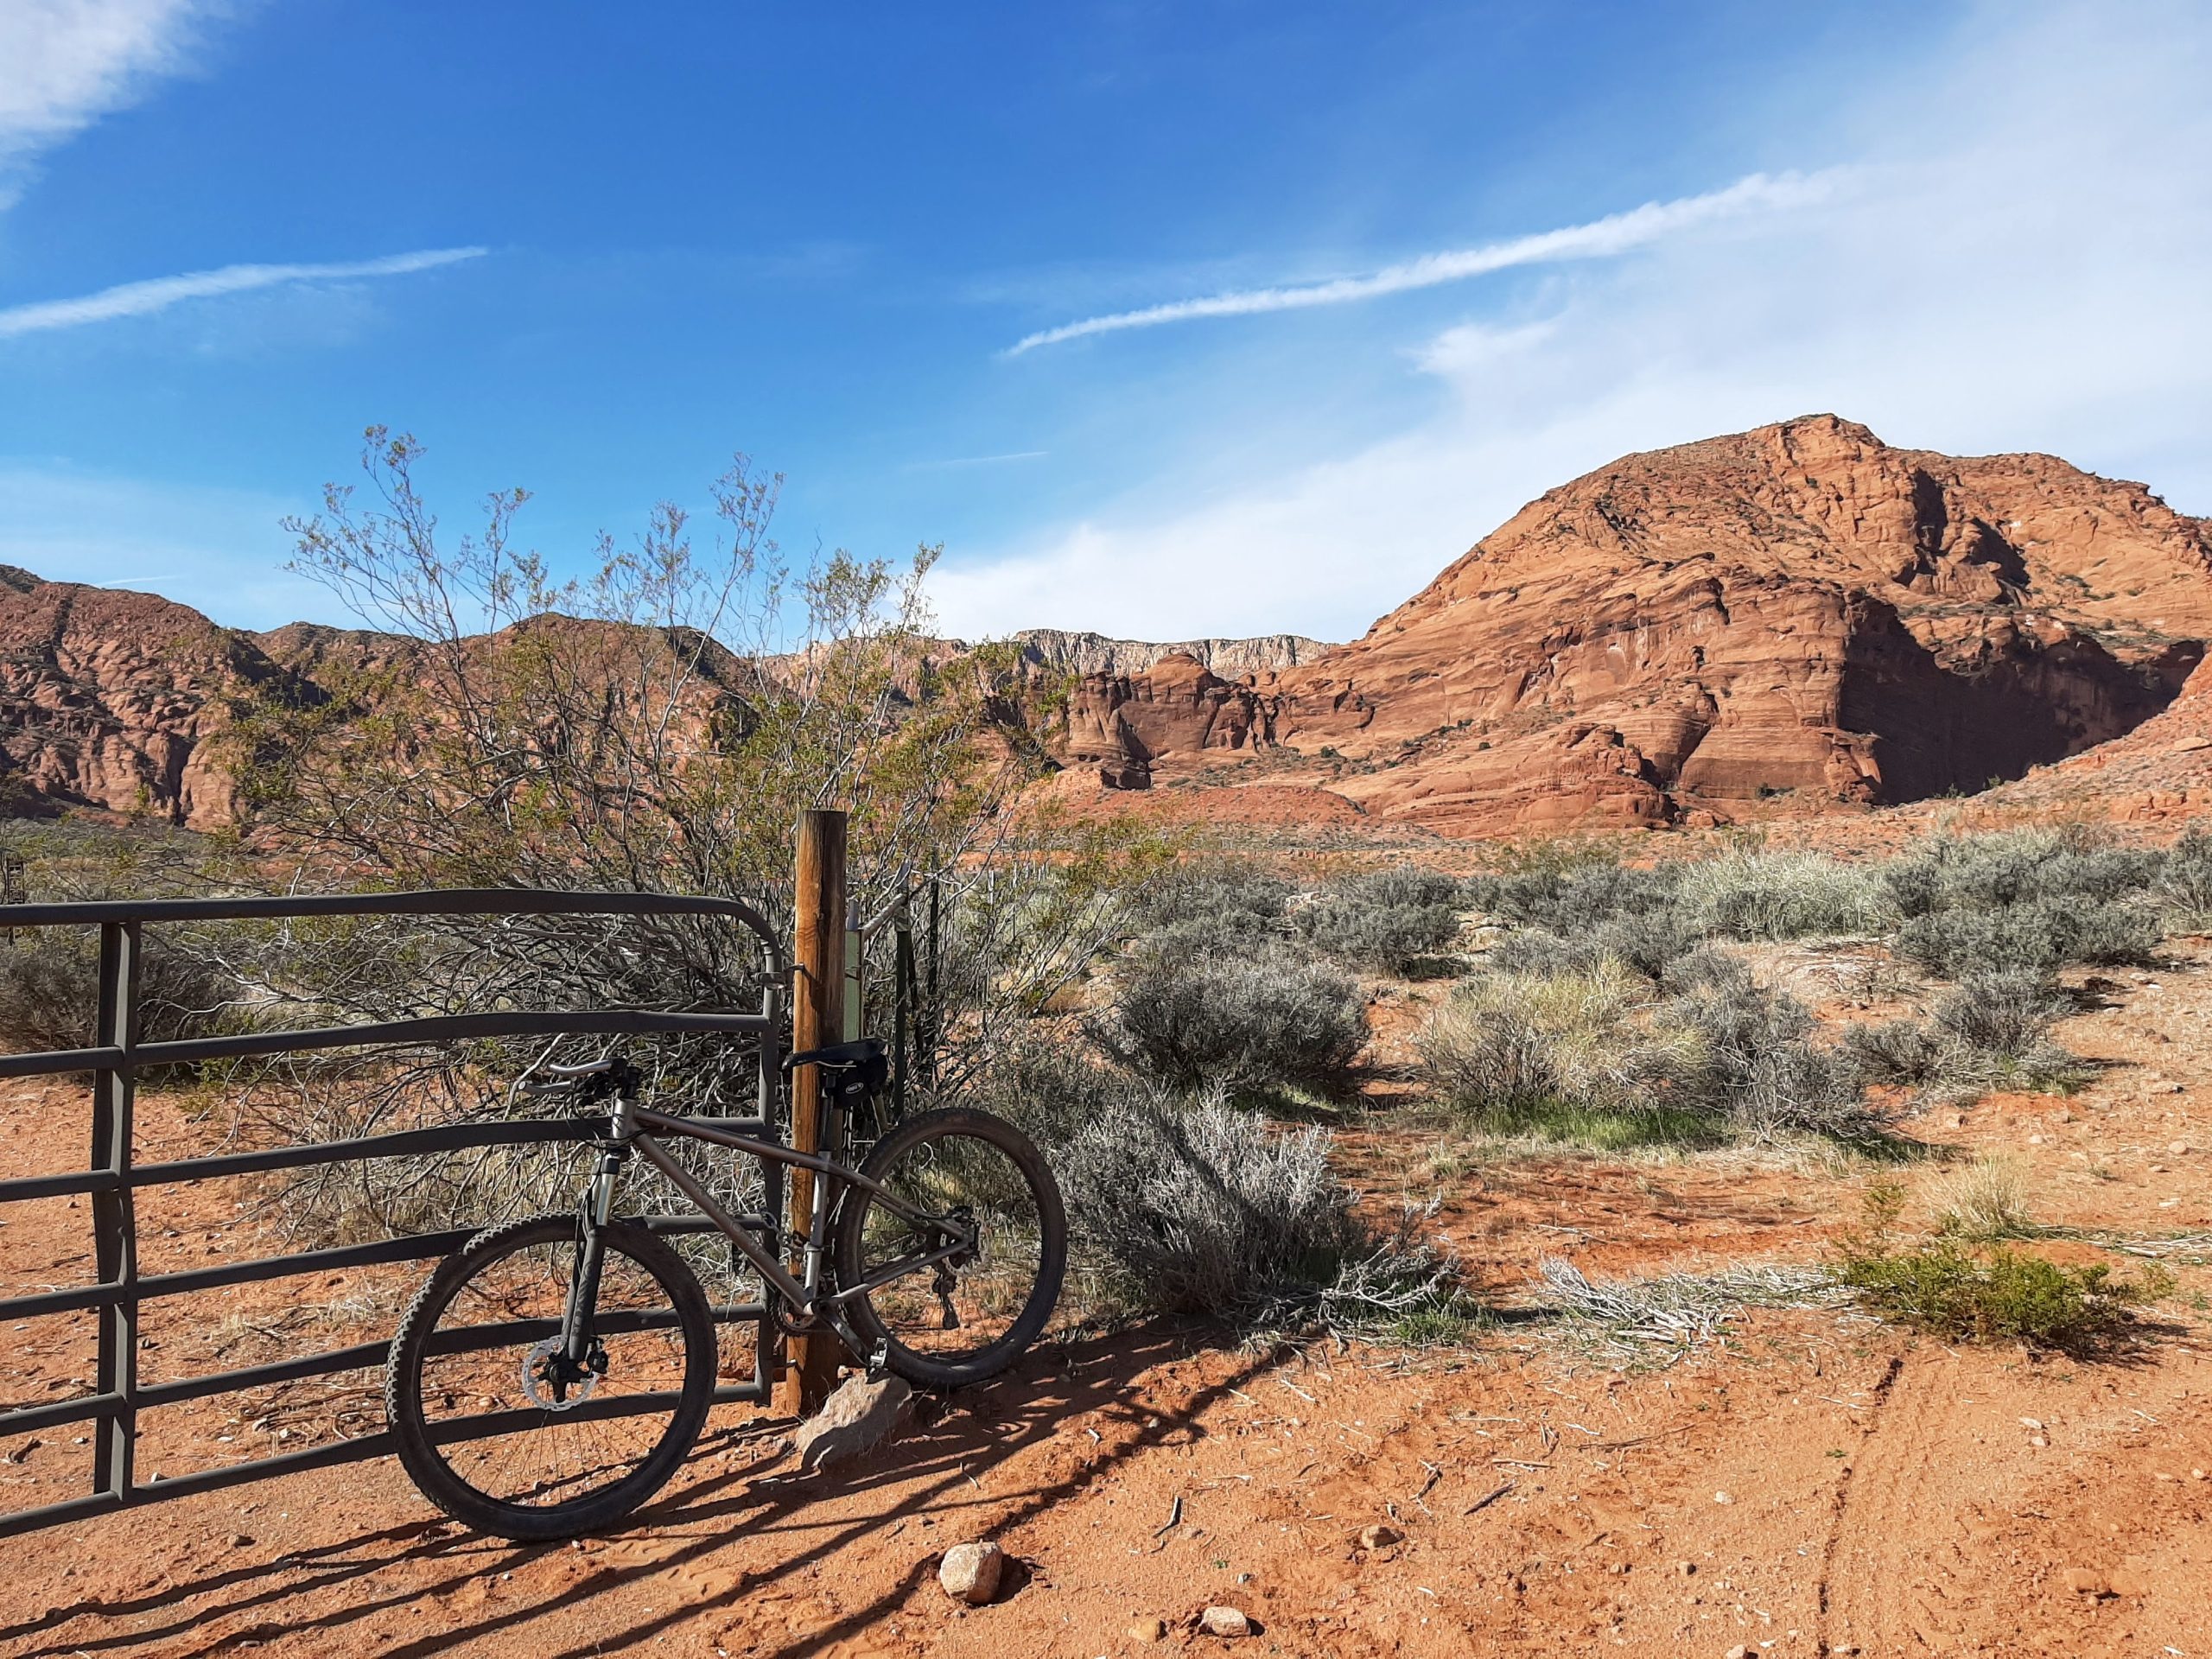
632,1128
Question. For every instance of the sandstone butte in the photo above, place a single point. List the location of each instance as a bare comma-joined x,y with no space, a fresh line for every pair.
1798,615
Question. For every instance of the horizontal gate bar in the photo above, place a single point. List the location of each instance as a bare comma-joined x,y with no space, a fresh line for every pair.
55,1414
57,1186
53,1515
435,1029
401,1143
49,1302
452,901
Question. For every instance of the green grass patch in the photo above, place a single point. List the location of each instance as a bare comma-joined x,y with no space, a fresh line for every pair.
1962,1290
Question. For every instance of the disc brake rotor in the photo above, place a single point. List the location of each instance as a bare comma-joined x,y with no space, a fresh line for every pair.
533,1379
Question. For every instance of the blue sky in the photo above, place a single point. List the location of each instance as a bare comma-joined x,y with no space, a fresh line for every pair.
1315,295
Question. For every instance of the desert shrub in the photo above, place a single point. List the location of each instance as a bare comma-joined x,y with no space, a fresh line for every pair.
1990,1031
1984,1200
1200,1208
2182,886
1760,1068
1191,1019
1509,1043
1387,921
1762,895
1050,1086
1909,1053
1214,902
2005,1012
1963,1292
1648,943
2040,935
2016,868
1574,898
49,990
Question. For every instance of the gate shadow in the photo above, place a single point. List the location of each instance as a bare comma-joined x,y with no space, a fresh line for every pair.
932,1472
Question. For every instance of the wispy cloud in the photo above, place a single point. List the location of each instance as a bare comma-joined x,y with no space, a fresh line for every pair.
139,299
1615,233
976,460
64,63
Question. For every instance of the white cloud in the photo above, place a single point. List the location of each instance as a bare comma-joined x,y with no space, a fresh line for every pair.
2020,265
139,299
64,63
1616,233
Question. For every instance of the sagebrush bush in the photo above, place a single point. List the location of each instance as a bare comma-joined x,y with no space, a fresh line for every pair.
1191,1018
1387,921
2184,884
2040,935
1214,902
1649,942
1760,1067
2016,868
1574,898
2007,1012
1590,1039
1991,1030
1785,895
49,992
1204,1209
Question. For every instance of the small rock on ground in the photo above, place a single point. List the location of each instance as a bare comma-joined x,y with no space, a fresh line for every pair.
1224,1621
855,1420
970,1572
1379,1536
1148,1630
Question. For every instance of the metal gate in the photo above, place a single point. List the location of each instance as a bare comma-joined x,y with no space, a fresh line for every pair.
113,1179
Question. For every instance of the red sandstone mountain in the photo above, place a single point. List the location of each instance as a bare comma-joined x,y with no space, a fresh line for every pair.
1799,610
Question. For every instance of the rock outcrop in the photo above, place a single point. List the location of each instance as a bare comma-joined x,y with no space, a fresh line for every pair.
1797,612
1094,653
111,699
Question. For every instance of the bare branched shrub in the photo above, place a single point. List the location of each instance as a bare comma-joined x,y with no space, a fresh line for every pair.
1245,1021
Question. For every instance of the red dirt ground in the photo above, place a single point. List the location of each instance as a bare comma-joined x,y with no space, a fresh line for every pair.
1821,1485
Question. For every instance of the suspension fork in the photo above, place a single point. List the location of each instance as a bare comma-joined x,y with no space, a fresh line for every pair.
577,1336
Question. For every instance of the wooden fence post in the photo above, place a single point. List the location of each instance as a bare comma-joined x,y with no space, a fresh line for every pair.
817,1018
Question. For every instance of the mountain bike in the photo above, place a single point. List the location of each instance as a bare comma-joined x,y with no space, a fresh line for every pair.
553,1373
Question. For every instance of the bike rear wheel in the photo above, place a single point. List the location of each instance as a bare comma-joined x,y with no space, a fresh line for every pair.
952,1176
485,1426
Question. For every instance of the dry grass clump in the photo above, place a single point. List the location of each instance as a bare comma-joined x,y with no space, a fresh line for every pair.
1984,1200
1706,1048
1747,894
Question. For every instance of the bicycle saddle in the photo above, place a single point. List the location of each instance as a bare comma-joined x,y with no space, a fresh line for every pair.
864,1051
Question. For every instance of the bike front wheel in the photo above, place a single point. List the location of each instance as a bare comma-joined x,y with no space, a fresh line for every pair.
953,1267
484,1424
